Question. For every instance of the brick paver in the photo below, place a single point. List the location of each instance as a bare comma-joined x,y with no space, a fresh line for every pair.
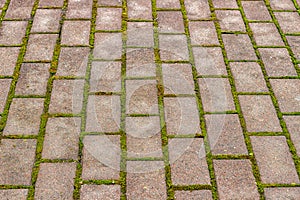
149,99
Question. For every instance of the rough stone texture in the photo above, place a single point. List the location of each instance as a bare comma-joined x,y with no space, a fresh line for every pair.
61,139
188,163
203,32
110,2
282,5
282,193
16,161
100,192
193,195
45,3
225,134
46,20
293,126
72,61
33,79
238,47
12,32
101,157
178,79
19,9
288,21
168,4
66,96
274,159
103,114
75,33
140,34
259,113
225,4
108,46
216,94
277,62
141,97
170,22
256,10
55,181
266,34
230,20
235,179
294,42
40,47
209,61
139,9
4,89
2,3
109,19
24,116
105,77
181,115
248,77
143,136
8,60
197,9
287,92
173,47
146,180
14,194
79,9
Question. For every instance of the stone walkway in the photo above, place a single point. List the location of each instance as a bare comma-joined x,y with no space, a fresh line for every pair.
149,99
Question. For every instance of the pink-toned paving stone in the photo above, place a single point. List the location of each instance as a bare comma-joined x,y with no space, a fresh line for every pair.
193,195
4,89
12,32
168,4
225,4
140,34
100,192
109,19
197,9
203,33
139,9
288,21
75,33
294,42
282,5
46,20
14,194
79,9
19,9
293,126
110,2
266,34
282,193
256,10
230,20
170,22
45,3
108,46
8,60
173,47
274,159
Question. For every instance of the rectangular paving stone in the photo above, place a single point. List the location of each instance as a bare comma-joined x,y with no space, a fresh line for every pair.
274,159
24,116
266,34
103,114
277,62
109,19
188,162
209,61
181,115
197,9
8,60
46,20
282,193
16,161
12,32
79,9
140,62
2,3
248,77
55,181
230,20
19,9
109,2
141,97
259,113
193,195
174,4
146,180
108,46
287,92
256,10
225,134
238,47
33,79
235,179
101,157
173,47
51,3
288,21
216,94
294,42
170,22
203,32
140,34
143,137
72,61
282,5
103,192
14,194
61,138
178,79
40,47
75,33
139,9
225,4
105,77
4,89
293,126
67,96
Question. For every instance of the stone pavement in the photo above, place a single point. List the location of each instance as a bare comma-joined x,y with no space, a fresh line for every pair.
149,99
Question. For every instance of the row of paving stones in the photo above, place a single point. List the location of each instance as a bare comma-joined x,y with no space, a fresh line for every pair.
137,118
